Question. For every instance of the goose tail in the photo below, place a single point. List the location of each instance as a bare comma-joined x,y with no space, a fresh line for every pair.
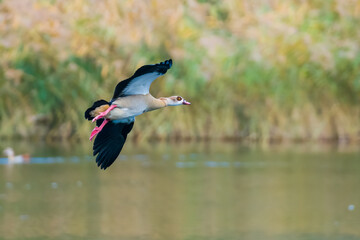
97,107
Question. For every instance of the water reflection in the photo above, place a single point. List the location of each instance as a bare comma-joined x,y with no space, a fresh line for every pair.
187,192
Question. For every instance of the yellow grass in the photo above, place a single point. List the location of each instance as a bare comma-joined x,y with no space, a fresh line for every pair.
270,70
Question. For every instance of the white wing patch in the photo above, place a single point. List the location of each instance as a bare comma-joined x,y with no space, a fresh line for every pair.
141,84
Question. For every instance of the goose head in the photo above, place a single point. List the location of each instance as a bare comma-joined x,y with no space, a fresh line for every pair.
9,152
176,101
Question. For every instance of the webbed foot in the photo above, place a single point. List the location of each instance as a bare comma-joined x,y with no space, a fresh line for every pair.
96,130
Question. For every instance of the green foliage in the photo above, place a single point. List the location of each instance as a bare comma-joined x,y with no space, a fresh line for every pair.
274,70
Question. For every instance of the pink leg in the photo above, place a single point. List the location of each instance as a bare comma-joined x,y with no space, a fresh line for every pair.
96,130
103,114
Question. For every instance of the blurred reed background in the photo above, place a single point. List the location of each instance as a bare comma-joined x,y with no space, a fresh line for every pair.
261,70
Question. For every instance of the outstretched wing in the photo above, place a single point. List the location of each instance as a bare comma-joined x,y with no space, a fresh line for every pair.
140,82
109,142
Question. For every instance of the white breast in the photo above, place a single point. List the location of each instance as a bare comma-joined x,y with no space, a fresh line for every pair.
127,112
130,106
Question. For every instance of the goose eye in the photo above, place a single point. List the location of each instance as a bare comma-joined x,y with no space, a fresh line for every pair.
179,98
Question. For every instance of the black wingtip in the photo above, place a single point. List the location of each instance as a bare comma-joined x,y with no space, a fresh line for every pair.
101,164
107,156
164,66
167,62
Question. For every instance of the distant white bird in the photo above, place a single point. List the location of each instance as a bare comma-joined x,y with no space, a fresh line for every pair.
12,159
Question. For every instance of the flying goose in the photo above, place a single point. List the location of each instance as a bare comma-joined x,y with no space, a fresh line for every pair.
115,119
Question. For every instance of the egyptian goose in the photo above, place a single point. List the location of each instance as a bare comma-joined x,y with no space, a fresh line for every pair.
115,119
12,159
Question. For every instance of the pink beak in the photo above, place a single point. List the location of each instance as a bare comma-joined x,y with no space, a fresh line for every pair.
186,102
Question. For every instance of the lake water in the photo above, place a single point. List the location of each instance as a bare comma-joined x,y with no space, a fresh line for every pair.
215,191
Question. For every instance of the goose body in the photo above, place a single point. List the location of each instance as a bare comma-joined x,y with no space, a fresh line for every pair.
115,119
134,105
